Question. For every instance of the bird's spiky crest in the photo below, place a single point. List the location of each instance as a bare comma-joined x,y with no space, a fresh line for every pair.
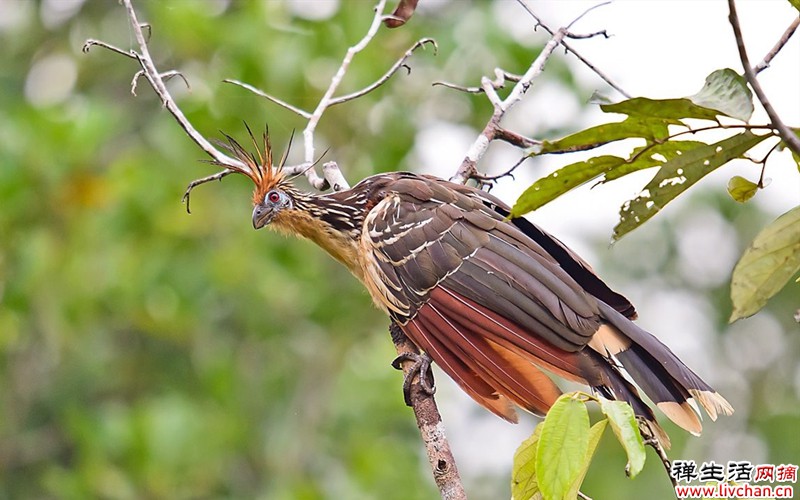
259,165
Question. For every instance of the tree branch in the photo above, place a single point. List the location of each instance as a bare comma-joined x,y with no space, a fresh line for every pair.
788,136
569,48
764,64
429,422
490,131
156,80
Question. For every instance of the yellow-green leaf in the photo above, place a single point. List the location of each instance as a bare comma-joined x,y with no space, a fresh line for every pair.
562,180
653,130
523,477
667,109
561,454
795,4
767,265
623,423
679,174
651,156
741,189
595,433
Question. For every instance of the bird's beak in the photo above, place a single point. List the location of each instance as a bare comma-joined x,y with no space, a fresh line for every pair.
261,216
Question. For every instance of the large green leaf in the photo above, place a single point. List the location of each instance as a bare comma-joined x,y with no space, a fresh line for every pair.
523,478
651,129
678,175
651,156
595,433
563,443
795,4
767,265
668,109
559,182
623,423
727,92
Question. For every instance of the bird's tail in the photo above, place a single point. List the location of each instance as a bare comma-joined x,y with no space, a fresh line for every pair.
669,383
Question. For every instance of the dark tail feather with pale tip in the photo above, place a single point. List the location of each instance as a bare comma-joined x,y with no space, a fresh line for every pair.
669,383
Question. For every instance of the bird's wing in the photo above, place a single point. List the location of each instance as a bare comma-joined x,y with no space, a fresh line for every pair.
492,303
475,292
571,262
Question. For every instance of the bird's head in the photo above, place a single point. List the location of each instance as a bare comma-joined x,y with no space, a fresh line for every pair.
273,196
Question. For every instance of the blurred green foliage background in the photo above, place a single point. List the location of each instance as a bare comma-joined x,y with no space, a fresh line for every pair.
145,353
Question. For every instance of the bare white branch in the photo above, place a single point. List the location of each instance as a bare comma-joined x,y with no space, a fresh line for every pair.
156,80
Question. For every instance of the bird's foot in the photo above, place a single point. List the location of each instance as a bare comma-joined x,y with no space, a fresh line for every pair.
421,366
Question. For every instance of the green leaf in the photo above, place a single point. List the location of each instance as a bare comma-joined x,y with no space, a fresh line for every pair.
741,189
654,130
767,265
679,174
623,423
523,477
561,455
727,92
595,433
562,180
651,156
667,109
795,4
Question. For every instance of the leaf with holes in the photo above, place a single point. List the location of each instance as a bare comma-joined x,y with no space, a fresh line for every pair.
651,156
767,265
678,175
741,189
727,92
563,443
562,180
623,423
523,476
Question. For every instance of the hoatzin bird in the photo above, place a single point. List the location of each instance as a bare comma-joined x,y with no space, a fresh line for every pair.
492,300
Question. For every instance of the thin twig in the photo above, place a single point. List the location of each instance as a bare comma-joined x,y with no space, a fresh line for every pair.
156,81
325,101
788,136
569,48
401,63
259,92
489,133
764,64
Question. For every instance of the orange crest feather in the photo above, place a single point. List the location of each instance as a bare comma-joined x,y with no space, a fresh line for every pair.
258,166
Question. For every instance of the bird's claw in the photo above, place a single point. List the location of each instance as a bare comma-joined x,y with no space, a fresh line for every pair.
421,366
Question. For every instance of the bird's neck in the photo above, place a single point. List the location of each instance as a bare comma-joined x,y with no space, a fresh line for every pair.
334,227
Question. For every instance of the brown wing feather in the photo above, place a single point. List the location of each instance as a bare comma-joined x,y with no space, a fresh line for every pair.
493,301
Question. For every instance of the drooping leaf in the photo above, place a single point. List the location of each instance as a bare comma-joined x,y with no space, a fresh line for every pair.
727,92
651,156
563,443
741,189
653,130
667,109
523,478
402,13
562,180
623,423
678,175
767,265
595,433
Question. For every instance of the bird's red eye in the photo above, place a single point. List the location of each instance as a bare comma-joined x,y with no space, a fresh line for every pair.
273,197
